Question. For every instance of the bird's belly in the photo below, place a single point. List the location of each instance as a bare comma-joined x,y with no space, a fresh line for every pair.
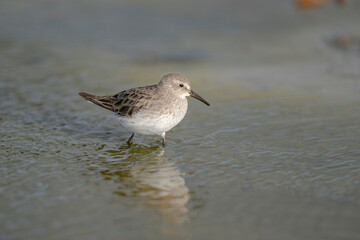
151,126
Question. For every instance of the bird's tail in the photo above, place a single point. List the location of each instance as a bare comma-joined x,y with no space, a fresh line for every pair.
87,96
102,101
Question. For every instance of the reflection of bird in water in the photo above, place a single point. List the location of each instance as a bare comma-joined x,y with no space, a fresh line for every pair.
154,178
160,181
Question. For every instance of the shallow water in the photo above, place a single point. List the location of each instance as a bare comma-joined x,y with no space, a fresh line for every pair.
276,156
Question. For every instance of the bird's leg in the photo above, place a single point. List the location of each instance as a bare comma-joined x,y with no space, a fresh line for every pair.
130,141
163,141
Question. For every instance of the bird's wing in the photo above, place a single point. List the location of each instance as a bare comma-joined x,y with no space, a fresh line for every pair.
127,102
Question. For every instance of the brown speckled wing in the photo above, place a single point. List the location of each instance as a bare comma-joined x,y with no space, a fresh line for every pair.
127,102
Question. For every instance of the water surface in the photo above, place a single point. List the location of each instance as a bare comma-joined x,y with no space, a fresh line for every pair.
276,156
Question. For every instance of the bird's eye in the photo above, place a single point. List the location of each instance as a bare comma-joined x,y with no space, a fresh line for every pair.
181,85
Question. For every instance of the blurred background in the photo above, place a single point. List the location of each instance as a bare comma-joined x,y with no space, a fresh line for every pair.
276,156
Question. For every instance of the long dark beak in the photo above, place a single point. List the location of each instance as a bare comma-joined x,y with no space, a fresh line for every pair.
195,95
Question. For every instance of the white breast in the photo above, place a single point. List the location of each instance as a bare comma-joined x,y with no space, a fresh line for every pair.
153,122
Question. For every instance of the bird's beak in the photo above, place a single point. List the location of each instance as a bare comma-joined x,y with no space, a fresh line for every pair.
195,95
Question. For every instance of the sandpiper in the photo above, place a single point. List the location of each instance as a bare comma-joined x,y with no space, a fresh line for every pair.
149,110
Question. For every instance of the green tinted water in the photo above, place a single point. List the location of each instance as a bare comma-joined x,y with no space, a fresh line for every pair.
275,156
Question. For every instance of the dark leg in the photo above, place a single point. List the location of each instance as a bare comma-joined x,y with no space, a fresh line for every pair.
163,141
130,141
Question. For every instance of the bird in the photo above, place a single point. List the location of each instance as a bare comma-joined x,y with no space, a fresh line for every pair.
149,110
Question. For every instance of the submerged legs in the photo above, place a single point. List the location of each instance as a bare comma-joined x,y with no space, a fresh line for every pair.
163,141
130,141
